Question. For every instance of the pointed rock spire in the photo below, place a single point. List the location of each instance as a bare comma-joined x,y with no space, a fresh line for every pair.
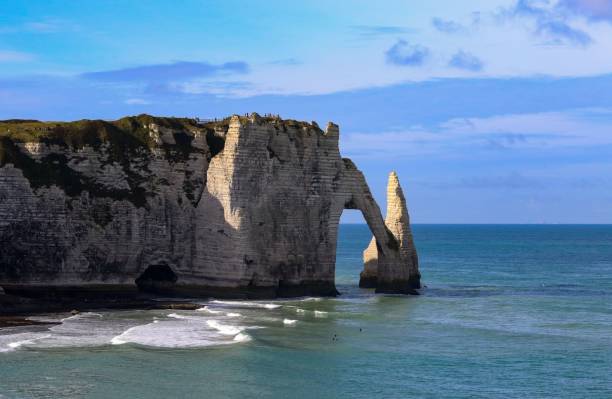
400,274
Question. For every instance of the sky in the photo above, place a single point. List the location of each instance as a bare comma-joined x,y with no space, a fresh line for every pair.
490,111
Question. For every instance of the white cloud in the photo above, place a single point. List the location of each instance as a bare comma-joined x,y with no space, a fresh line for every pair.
463,137
15,56
136,101
551,43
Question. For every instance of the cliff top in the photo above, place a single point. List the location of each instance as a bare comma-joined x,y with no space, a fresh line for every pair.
133,129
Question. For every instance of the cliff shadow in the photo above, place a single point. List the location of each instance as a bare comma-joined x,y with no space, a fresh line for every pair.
157,279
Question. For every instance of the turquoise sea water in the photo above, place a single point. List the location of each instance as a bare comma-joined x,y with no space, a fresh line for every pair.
508,312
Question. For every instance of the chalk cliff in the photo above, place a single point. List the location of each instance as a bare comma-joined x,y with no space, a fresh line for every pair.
243,207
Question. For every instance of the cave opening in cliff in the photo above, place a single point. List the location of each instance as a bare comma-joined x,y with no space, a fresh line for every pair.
157,279
353,237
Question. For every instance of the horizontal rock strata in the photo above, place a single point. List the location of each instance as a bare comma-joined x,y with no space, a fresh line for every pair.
241,207
402,275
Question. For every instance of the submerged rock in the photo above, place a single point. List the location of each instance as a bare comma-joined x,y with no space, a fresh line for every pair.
241,207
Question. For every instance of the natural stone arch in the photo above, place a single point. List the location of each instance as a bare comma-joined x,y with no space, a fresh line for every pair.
390,261
247,206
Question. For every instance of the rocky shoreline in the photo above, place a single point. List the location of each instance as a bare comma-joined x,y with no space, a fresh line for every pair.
18,311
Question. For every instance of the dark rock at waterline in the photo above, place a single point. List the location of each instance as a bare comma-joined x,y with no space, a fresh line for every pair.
95,213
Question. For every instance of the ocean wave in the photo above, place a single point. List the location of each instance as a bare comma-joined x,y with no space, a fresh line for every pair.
208,310
248,304
223,328
242,338
178,334
13,342
289,322
173,330
178,316
122,338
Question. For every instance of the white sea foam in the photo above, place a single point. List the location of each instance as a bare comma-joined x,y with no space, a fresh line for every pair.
178,316
123,337
81,316
300,310
19,344
208,310
174,330
82,330
242,338
243,304
320,313
182,331
289,322
12,342
223,328
73,317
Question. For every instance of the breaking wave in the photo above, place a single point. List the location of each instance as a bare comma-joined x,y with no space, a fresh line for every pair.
243,304
172,330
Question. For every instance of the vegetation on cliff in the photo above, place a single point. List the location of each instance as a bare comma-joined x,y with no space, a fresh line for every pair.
126,141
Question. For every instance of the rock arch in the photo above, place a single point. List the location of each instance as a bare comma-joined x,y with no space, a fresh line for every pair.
390,261
247,206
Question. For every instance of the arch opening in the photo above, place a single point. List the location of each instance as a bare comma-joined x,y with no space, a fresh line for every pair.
157,279
353,236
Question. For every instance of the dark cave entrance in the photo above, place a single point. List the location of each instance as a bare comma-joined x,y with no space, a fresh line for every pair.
158,279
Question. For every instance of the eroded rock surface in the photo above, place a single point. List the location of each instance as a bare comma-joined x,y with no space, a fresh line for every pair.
243,207
403,275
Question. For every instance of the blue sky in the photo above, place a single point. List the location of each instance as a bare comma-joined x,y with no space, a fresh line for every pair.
496,111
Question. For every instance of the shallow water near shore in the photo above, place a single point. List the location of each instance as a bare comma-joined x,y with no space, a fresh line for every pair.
508,312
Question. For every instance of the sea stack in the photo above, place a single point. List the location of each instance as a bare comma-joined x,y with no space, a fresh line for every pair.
399,271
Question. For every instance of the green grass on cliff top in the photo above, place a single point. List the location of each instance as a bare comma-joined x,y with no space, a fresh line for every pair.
129,130
133,130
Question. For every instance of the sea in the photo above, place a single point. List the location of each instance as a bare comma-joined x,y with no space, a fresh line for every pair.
508,311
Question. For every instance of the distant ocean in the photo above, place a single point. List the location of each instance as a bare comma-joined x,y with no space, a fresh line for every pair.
508,312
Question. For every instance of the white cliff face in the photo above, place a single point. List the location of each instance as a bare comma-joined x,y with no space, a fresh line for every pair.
247,207
405,271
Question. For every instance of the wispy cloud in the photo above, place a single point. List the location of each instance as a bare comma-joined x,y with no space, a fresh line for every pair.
460,137
596,10
560,32
466,61
15,56
550,23
286,61
42,26
405,54
510,181
220,88
447,26
137,101
375,31
182,70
